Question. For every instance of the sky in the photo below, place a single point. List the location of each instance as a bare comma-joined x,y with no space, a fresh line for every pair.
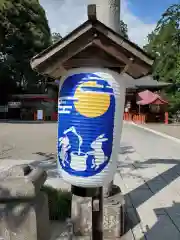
141,16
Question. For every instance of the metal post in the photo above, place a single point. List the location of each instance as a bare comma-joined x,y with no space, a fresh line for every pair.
97,215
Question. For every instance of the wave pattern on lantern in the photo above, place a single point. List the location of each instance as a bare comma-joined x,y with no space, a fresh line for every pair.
86,112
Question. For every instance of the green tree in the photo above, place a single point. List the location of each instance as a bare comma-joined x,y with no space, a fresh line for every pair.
24,32
164,43
56,37
123,29
177,72
164,46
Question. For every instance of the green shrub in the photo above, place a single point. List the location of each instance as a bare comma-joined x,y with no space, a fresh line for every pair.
59,202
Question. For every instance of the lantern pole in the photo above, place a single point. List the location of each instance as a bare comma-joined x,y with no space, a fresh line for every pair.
108,12
97,215
97,208
97,194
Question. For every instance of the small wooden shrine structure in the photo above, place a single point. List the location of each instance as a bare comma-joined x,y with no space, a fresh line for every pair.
96,42
93,44
152,107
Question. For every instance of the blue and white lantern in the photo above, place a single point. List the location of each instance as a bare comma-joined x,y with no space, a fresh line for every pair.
90,116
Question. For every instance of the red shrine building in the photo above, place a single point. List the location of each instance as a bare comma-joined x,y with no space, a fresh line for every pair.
144,102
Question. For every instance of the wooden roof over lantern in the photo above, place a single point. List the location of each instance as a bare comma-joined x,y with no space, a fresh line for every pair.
93,44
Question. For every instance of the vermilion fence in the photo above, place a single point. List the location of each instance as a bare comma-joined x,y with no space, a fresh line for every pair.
166,121
137,118
54,116
141,118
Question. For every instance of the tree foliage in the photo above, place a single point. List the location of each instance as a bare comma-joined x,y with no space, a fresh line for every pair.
24,32
164,46
56,37
123,29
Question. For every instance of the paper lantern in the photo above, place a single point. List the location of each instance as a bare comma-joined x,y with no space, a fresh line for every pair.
90,115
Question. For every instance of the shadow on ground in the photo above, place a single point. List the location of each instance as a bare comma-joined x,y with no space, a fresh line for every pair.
167,218
5,152
126,149
165,228
48,164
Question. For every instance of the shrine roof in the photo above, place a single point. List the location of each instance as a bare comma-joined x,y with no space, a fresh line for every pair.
109,47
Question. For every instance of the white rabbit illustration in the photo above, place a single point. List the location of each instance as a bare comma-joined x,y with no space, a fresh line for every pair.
98,151
65,146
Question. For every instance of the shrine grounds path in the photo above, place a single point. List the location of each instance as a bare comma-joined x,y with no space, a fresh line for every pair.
173,130
148,173
149,176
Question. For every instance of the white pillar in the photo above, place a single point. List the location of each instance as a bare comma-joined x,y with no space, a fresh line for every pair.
108,12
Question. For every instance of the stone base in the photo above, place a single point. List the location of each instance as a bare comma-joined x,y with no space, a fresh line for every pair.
30,221
114,216
113,212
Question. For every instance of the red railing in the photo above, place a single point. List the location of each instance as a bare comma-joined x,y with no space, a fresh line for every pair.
166,118
137,118
141,118
54,116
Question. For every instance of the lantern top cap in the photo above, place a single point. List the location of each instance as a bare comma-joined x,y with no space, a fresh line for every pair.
92,36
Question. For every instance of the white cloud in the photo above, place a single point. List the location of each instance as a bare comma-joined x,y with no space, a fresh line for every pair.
65,15
137,29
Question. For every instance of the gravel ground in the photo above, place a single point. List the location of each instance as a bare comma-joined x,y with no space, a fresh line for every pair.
144,157
27,140
31,143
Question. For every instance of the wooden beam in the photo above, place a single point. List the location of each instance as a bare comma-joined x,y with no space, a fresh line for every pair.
111,50
59,63
41,58
62,56
94,56
92,12
91,63
127,66
58,72
127,45
120,56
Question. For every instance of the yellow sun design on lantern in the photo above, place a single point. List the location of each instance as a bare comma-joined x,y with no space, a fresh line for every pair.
91,103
